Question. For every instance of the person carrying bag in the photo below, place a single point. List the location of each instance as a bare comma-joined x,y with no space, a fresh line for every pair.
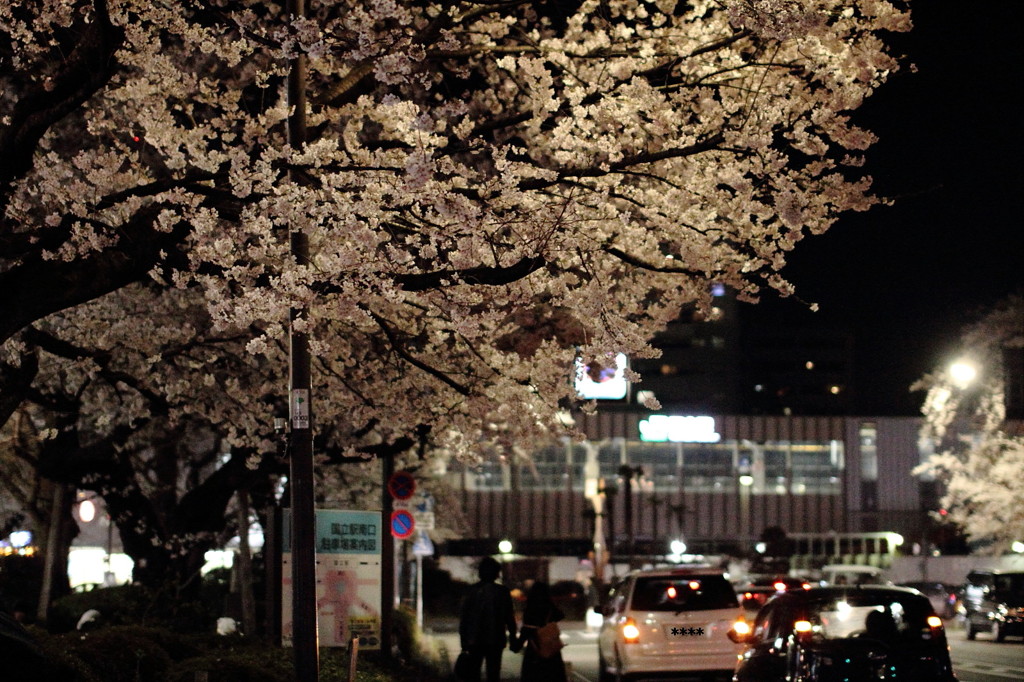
540,638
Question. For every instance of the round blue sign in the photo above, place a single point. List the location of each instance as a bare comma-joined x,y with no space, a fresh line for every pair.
402,524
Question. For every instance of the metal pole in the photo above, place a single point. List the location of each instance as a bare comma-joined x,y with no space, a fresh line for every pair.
387,559
304,628
419,591
304,625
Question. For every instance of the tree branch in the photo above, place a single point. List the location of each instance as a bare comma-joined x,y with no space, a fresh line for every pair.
87,68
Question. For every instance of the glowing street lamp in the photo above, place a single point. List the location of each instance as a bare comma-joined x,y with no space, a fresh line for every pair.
86,511
962,373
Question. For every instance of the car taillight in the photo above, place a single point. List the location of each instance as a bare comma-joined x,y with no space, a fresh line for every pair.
934,622
630,632
802,626
741,627
780,586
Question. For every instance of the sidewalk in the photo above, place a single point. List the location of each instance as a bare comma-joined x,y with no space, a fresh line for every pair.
446,631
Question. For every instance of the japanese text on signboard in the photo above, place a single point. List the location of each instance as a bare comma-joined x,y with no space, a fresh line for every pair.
350,538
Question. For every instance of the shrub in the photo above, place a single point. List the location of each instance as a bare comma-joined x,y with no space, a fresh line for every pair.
233,666
119,605
143,653
135,604
117,654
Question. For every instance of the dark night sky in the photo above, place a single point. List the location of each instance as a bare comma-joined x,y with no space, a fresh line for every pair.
905,279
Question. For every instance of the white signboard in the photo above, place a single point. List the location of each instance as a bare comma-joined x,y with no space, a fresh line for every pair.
607,384
659,428
348,578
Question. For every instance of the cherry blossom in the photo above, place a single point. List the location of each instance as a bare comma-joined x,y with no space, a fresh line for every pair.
491,192
978,454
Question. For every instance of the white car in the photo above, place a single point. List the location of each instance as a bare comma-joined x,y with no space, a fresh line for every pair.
660,622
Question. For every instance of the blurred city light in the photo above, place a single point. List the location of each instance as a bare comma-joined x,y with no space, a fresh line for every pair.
962,373
86,511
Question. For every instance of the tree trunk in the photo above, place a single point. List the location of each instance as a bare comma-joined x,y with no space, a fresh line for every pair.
245,586
60,533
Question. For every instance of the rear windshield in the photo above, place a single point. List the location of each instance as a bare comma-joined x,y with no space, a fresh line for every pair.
888,618
683,593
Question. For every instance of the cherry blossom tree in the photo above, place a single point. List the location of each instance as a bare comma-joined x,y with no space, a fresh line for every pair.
978,454
490,190
137,398
112,415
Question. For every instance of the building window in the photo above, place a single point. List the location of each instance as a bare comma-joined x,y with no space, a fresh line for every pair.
488,475
709,467
548,469
776,469
660,463
868,439
611,456
817,468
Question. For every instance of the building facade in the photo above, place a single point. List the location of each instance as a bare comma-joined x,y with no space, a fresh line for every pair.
713,482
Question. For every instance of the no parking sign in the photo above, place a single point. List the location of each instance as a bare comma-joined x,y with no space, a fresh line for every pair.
402,523
401,485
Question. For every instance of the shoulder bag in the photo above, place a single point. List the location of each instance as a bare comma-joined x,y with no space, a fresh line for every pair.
548,640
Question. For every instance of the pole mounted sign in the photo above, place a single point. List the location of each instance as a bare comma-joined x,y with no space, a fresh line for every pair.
300,408
422,546
402,524
401,485
348,585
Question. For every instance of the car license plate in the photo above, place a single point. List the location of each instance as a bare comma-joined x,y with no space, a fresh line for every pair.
686,631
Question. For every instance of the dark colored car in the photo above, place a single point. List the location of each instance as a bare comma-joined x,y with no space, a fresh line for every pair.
943,597
754,594
753,597
849,633
993,602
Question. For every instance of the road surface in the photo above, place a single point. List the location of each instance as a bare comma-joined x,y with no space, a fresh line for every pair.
982,660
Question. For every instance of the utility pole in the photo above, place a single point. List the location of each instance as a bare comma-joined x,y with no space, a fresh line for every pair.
304,622
387,557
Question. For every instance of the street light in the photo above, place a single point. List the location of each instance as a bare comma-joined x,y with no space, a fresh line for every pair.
962,372
678,548
86,511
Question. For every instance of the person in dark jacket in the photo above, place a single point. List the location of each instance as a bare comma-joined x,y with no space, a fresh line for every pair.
539,611
487,622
